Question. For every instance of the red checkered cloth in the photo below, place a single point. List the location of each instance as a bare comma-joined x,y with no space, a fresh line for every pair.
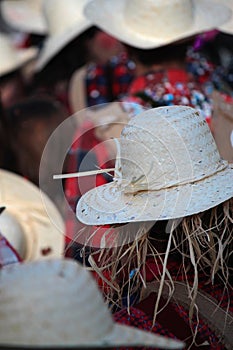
86,153
222,296
137,318
108,82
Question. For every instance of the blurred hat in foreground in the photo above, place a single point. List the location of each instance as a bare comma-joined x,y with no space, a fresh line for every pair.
65,20
60,305
24,15
12,58
28,226
150,24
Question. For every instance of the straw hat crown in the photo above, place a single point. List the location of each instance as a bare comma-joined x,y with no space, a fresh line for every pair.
152,23
60,305
180,145
167,167
138,12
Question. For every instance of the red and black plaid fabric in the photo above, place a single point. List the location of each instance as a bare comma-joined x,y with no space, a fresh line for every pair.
107,83
104,83
86,153
138,319
223,297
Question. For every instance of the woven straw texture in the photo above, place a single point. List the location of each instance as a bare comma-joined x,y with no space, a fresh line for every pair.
169,167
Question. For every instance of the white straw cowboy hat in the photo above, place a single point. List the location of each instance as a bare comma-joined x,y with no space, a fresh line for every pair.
60,306
228,26
30,229
152,23
24,15
65,21
167,167
12,58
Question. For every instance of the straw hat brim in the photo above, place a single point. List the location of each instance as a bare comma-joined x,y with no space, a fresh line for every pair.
120,336
43,228
125,335
107,205
54,44
21,57
18,14
228,26
109,16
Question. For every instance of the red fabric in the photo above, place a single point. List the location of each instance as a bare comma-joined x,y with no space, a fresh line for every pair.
84,142
170,87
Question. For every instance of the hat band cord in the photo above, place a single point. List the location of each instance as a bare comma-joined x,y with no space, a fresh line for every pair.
138,186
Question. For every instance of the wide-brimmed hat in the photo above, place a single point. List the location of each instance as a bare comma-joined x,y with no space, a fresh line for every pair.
228,26
24,15
35,232
65,21
149,24
167,167
60,305
12,58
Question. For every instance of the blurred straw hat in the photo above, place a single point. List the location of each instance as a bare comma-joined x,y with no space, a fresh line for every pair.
12,58
152,23
167,167
25,222
61,306
108,120
65,21
24,15
228,26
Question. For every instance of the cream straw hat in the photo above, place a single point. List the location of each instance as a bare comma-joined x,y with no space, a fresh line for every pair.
60,305
152,23
24,15
167,167
65,21
31,230
12,58
228,26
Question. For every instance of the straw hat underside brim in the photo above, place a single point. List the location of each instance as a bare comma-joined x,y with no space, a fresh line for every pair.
44,228
21,57
109,17
54,44
105,204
